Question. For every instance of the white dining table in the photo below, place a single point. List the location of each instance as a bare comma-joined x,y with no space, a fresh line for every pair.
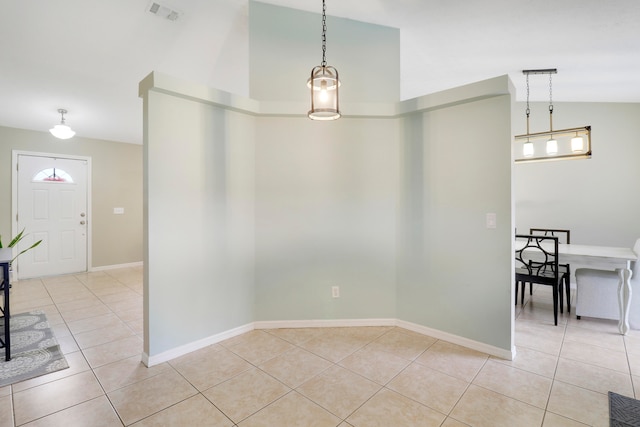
604,258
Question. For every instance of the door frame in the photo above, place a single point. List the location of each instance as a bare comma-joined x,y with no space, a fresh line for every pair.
14,193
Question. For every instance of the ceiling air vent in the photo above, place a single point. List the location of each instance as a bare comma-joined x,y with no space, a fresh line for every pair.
163,11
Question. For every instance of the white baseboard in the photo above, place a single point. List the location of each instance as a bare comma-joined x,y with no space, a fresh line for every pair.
327,323
322,323
150,361
116,266
456,339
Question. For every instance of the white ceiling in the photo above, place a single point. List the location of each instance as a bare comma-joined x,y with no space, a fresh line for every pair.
88,56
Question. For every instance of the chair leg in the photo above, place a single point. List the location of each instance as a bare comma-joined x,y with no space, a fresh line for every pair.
560,298
517,283
567,286
555,305
524,285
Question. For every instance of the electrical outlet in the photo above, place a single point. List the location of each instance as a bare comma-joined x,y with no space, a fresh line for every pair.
335,292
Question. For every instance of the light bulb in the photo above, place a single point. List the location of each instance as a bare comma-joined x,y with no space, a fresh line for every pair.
527,149
552,146
323,91
577,144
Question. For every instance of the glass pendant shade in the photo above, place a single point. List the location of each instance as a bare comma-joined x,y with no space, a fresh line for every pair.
62,131
324,84
552,146
527,149
577,144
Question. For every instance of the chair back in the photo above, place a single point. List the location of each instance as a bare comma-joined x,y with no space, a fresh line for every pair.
564,236
536,258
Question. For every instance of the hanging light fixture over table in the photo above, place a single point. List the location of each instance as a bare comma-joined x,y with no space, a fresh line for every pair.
554,149
324,83
62,131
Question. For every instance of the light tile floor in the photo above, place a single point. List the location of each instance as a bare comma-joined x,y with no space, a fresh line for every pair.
368,376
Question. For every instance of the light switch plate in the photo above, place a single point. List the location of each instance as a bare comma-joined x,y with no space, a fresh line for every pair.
118,211
491,220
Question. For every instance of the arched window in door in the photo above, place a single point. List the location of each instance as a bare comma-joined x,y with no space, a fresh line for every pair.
53,175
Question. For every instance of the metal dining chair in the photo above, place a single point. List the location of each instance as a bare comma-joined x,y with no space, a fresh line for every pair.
564,236
537,262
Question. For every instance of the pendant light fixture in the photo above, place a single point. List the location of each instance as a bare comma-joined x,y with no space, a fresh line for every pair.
558,144
527,147
324,83
62,131
552,144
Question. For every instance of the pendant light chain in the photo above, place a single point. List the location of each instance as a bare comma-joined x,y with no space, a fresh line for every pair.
324,34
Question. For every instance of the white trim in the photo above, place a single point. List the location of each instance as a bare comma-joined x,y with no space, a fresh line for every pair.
14,193
165,356
115,266
327,323
456,339
322,323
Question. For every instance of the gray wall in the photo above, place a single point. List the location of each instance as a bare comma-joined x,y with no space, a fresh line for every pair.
454,274
326,214
198,195
391,209
116,181
597,199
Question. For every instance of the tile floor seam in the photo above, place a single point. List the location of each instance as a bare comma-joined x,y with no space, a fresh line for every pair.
555,371
425,404
106,395
165,408
59,410
229,416
361,405
626,351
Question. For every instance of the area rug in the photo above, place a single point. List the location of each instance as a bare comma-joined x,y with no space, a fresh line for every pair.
623,411
34,349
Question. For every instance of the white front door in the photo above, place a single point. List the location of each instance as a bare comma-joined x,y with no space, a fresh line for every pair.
52,206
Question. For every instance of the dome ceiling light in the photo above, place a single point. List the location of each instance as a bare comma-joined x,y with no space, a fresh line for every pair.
62,131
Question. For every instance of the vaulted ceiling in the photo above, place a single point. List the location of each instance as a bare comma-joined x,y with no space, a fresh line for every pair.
88,56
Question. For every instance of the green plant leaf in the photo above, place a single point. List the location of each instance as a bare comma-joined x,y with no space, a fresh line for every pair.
30,247
16,239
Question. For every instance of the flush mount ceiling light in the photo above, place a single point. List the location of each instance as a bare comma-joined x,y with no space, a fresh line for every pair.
324,83
62,131
561,144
